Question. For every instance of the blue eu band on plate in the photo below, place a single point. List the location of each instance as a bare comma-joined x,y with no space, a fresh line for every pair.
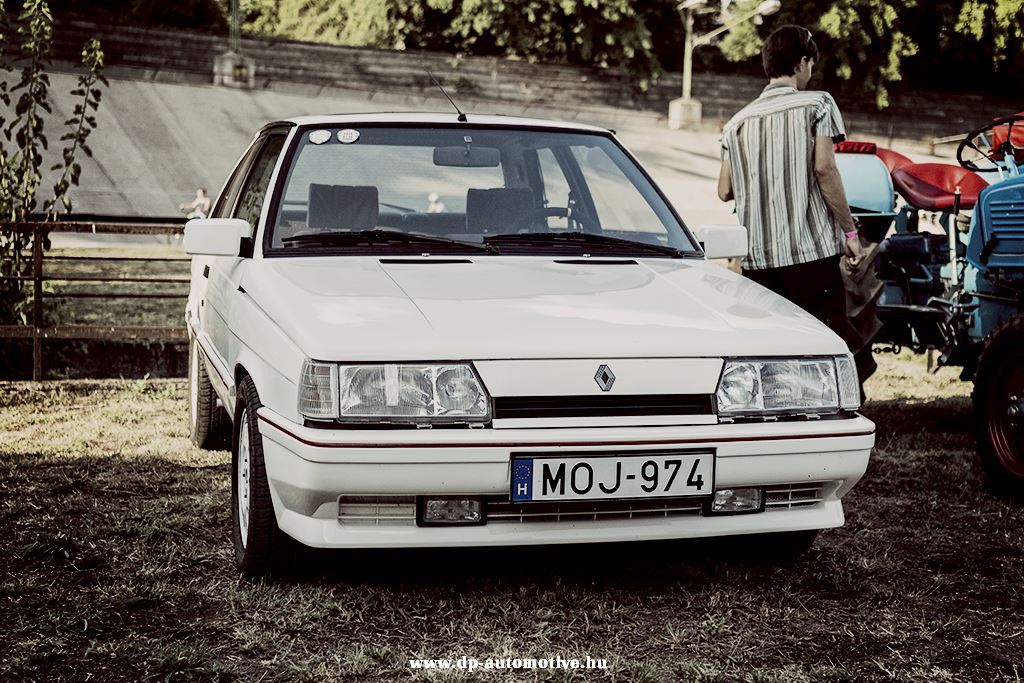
645,475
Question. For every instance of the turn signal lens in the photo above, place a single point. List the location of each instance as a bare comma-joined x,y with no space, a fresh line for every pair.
849,383
318,390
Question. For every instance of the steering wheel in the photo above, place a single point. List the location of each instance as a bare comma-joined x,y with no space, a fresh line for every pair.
1005,148
540,212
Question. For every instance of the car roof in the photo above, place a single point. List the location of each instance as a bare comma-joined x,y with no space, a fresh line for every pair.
447,118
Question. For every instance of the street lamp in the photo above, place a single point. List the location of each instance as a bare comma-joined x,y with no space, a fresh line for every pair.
232,68
686,110
235,34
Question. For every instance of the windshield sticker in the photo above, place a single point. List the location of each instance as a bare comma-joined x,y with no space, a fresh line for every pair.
319,137
348,136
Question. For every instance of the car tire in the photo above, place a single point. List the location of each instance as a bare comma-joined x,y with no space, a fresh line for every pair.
999,407
208,421
261,548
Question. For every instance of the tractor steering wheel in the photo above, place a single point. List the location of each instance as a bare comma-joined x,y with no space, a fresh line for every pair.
1005,148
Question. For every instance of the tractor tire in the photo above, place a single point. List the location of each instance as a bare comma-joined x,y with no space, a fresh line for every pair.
999,407
208,421
262,550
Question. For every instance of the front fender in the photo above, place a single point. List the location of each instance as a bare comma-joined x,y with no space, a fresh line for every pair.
265,353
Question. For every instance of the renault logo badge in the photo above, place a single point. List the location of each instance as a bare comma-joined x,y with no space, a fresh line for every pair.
605,378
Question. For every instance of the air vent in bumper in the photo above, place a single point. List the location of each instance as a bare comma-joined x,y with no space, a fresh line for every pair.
789,496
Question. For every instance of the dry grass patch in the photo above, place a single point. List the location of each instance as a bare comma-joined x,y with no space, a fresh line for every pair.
115,565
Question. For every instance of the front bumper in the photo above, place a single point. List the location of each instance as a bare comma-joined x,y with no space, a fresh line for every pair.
310,469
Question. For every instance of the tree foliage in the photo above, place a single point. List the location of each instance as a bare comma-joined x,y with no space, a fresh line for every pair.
869,44
584,32
201,15
996,21
24,141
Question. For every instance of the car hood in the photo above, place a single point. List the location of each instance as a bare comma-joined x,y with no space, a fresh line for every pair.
495,307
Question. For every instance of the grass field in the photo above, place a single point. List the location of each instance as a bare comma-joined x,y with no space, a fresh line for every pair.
115,565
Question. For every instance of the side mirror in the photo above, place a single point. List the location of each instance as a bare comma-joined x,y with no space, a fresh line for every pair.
216,236
722,241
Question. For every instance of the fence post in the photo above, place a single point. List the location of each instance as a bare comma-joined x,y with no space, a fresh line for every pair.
37,303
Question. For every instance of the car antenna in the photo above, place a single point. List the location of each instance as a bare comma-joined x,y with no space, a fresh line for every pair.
462,117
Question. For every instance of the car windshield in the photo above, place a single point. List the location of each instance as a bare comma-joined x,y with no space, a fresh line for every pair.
469,185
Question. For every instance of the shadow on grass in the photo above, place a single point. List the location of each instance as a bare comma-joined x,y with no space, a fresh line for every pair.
950,415
648,565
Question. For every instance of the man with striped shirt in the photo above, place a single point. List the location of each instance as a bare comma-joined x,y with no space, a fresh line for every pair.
779,165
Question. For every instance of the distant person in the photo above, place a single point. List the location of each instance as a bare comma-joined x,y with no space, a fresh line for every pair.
198,207
434,203
779,164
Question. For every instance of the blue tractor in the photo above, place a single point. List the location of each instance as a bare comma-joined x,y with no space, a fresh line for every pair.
958,289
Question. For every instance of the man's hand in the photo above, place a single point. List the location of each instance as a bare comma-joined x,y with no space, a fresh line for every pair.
855,251
725,181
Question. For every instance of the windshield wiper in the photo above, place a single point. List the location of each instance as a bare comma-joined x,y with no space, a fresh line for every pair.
400,208
378,237
581,239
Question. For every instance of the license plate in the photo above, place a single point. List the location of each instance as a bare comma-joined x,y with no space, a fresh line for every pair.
650,475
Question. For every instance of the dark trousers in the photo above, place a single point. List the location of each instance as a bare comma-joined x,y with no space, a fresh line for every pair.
817,287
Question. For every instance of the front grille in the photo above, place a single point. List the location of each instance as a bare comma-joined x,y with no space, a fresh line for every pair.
499,510
511,407
789,496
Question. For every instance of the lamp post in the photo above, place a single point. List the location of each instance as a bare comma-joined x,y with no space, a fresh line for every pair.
232,68
686,110
235,36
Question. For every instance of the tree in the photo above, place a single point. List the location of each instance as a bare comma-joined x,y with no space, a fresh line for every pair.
20,167
996,21
864,43
585,32
871,45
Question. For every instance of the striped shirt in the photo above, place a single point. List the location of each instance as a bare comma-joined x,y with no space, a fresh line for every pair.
770,148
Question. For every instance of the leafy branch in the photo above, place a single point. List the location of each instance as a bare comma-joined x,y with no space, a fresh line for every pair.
22,161
80,125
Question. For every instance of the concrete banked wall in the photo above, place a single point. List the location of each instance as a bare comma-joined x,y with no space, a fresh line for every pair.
287,64
164,129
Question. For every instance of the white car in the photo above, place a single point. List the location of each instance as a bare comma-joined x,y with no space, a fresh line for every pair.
430,330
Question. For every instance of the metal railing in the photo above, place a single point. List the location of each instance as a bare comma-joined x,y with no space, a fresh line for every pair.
38,329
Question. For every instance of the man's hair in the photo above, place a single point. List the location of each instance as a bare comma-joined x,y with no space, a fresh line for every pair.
784,49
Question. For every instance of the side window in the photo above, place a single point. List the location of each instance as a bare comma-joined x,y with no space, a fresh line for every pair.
226,202
250,201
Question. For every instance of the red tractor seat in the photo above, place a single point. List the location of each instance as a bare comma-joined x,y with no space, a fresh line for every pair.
855,147
891,159
931,186
1000,134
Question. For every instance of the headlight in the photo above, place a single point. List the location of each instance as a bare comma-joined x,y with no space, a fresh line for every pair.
772,386
412,393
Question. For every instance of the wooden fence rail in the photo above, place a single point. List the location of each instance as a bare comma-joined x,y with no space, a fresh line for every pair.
39,330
